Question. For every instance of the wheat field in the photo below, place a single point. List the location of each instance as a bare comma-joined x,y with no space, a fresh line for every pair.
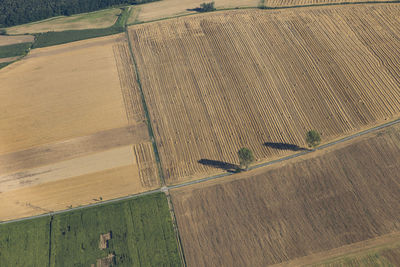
260,79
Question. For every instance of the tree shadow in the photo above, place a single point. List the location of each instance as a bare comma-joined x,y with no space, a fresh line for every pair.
229,167
285,146
196,9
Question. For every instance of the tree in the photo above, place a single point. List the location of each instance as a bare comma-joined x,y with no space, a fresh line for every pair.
313,138
206,7
246,157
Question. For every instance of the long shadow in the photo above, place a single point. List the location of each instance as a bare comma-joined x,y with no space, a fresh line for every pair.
285,146
197,9
229,167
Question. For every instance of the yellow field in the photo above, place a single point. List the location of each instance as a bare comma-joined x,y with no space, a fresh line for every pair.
260,79
92,20
72,129
170,8
9,40
307,207
278,3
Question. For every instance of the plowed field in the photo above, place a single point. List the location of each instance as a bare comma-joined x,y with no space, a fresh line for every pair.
262,78
313,204
72,129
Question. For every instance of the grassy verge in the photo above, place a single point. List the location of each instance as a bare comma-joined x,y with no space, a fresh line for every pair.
14,50
141,235
55,38
2,65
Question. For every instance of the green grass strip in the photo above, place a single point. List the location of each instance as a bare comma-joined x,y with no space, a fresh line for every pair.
14,50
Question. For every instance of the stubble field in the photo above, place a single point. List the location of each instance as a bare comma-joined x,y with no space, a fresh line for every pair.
306,206
285,3
261,79
72,129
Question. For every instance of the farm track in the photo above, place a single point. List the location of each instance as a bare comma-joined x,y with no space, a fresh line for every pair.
291,73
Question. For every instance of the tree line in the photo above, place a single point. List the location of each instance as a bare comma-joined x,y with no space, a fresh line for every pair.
15,12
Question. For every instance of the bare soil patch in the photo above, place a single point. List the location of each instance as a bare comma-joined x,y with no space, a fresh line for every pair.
308,205
72,192
73,148
103,244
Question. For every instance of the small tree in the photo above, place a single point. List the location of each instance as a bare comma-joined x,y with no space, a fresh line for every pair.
207,7
246,157
313,138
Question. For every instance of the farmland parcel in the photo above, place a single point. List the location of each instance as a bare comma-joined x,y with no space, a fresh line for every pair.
71,129
314,204
139,233
261,79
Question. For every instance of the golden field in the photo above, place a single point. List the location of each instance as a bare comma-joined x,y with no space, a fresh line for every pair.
284,3
72,129
259,79
298,208
9,40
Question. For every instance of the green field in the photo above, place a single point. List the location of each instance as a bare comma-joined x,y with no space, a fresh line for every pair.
141,235
56,38
14,50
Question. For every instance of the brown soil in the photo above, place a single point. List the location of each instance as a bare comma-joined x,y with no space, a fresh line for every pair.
309,205
72,148
221,81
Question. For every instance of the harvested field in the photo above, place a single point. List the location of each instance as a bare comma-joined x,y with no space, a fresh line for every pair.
169,8
284,3
68,93
312,204
77,136
216,82
92,20
140,234
9,40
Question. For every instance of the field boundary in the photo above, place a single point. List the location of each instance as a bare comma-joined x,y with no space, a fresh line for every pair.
156,154
166,188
